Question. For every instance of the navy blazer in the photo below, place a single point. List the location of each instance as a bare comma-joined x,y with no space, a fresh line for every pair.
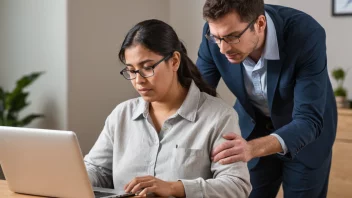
300,97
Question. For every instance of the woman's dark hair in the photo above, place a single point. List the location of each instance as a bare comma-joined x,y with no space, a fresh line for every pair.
161,38
248,10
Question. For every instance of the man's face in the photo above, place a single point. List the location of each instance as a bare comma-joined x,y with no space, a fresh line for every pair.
231,25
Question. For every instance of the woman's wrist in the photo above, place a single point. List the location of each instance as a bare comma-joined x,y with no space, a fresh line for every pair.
177,189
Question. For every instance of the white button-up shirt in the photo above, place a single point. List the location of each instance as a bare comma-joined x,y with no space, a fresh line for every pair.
255,74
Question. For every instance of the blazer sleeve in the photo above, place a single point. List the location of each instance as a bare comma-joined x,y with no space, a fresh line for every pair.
310,93
205,63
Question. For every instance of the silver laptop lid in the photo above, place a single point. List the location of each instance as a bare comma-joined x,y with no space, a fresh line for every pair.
43,162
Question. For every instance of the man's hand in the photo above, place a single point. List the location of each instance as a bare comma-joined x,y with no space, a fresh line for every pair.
234,150
150,184
238,149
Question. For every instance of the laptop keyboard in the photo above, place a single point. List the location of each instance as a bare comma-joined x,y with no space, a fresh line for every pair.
126,195
99,194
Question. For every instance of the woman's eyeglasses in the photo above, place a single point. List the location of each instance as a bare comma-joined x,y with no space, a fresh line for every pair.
144,72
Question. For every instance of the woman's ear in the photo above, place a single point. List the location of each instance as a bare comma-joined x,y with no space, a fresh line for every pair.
175,61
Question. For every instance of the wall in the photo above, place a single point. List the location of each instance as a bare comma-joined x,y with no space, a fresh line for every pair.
76,44
33,38
187,19
96,30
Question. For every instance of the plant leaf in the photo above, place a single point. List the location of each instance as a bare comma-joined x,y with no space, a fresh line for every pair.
22,83
17,101
11,118
2,104
27,80
28,119
10,123
11,103
338,74
340,91
2,93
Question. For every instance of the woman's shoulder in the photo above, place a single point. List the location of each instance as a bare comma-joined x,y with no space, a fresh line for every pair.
216,105
128,106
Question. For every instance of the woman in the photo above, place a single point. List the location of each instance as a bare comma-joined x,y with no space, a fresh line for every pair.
161,143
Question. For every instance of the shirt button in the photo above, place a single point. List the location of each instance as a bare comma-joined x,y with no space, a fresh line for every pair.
165,128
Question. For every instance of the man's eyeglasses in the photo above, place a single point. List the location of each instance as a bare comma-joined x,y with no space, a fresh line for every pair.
144,72
231,39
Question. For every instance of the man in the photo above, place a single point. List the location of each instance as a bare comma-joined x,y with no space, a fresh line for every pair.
273,59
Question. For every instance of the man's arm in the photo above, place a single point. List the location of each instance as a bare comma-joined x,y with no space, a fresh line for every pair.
238,149
309,104
264,146
309,95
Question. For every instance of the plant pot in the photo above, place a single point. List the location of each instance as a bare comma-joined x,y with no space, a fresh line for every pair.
341,101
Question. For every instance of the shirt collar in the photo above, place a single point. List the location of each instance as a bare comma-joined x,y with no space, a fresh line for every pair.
188,109
271,47
142,109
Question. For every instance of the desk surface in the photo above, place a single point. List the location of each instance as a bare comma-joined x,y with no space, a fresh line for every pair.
6,193
344,111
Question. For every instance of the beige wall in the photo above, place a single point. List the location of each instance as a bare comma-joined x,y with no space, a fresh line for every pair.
96,30
33,38
186,18
76,42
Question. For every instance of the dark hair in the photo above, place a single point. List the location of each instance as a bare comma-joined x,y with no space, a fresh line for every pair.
161,38
248,10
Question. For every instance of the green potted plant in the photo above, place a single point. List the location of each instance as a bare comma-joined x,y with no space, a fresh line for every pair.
340,92
13,102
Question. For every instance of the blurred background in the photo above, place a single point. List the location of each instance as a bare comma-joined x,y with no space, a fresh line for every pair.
75,42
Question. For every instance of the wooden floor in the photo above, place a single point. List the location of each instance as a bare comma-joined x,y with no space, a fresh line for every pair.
340,184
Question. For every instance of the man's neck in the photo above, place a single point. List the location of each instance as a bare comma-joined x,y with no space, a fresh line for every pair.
258,51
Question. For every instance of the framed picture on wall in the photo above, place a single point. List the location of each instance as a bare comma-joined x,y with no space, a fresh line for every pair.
341,7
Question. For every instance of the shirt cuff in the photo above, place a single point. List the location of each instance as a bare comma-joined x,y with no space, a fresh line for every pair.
283,145
192,188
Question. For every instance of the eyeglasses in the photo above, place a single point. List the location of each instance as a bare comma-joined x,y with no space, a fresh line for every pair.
144,72
231,39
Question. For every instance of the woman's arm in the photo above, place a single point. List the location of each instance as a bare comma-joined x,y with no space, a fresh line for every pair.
99,160
230,180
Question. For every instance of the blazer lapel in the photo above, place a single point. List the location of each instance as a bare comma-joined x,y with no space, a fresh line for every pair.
236,74
273,74
274,66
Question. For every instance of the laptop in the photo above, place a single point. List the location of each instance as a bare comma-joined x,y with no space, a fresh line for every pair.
46,163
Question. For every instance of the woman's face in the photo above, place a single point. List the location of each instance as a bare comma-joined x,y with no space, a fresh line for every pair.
156,87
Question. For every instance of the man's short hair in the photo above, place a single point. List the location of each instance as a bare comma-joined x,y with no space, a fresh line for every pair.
248,10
